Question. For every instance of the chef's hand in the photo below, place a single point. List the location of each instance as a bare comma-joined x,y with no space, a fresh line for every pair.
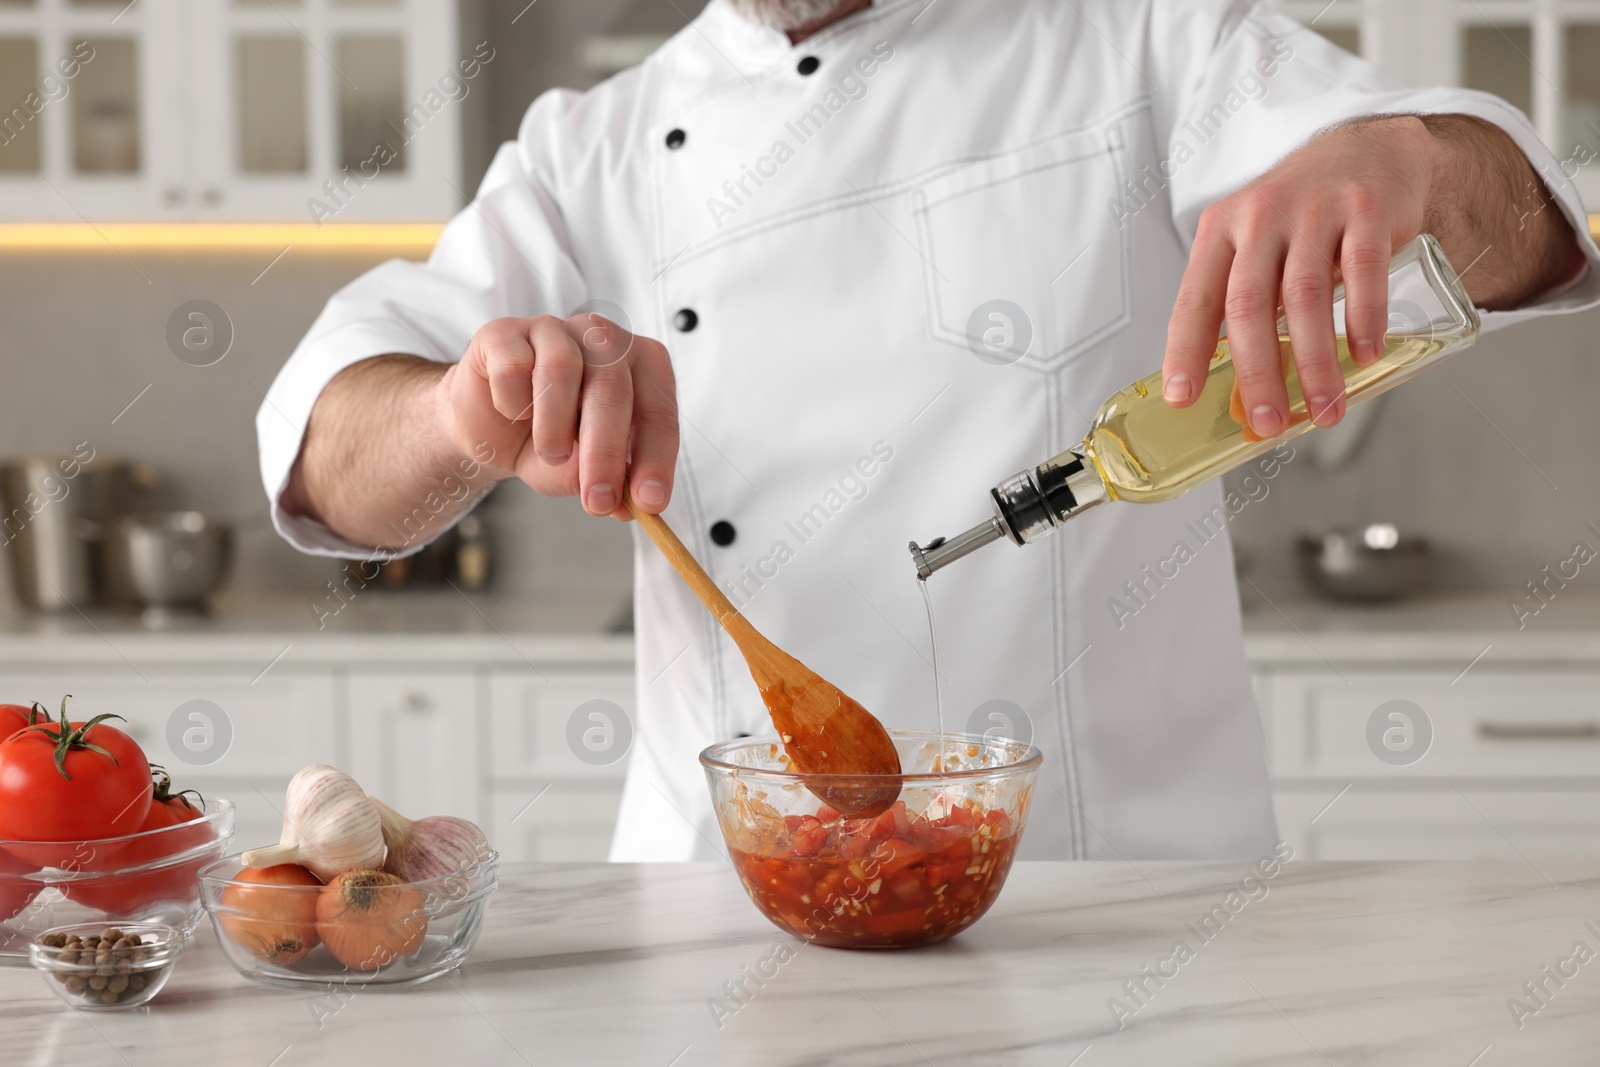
570,402
1340,207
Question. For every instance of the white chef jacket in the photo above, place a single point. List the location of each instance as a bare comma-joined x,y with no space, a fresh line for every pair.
834,234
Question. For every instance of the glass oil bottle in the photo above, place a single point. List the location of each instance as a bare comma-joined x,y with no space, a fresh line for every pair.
1142,450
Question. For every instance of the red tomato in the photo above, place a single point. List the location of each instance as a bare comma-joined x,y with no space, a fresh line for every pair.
131,895
174,809
14,717
70,782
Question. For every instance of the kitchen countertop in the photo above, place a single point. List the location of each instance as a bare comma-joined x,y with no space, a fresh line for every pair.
1449,628
1338,963
452,627
374,626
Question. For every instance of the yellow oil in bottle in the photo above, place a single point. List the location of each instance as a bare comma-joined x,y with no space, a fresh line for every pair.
1147,451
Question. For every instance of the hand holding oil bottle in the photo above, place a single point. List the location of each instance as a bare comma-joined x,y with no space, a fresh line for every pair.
1144,450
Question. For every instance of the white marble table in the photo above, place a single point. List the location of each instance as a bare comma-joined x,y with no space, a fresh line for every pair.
1338,963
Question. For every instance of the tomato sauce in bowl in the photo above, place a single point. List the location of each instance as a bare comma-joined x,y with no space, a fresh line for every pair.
921,872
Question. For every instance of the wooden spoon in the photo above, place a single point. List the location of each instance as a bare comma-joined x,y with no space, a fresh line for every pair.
824,731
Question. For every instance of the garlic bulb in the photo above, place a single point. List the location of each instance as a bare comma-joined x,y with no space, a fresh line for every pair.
429,848
329,826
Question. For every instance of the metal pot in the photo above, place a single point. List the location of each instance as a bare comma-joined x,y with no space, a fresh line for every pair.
57,509
1371,563
168,559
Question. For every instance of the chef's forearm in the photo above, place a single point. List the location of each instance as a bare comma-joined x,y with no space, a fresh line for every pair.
376,466
1491,211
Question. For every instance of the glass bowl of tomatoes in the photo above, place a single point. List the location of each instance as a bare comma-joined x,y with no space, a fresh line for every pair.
282,926
146,877
920,872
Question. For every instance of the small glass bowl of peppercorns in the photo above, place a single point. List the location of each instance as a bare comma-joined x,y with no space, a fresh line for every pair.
96,967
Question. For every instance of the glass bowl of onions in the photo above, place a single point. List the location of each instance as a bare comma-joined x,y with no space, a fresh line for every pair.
283,926
920,872
148,877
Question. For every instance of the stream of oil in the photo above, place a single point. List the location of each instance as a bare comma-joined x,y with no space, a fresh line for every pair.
938,697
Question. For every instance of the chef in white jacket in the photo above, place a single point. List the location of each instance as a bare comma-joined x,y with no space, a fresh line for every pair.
889,254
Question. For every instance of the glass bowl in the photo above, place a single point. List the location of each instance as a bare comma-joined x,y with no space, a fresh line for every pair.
151,877
97,967
426,929
921,872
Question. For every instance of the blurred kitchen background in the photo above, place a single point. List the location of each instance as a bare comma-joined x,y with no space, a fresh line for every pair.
1466,457
181,124
136,139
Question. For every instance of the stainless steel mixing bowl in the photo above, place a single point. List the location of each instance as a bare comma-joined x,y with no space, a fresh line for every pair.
168,559
1371,563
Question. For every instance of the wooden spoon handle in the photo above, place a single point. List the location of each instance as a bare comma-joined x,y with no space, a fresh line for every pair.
693,574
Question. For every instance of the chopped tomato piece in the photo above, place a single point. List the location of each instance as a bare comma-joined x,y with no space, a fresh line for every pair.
882,828
960,816
895,856
810,837
856,848
908,889
902,819
998,819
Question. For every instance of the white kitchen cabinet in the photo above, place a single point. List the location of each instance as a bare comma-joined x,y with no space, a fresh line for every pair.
1478,822
561,742
256,109
560,821
89,109
1493,724
535,755
1510,767
532,716
414,740
1541,55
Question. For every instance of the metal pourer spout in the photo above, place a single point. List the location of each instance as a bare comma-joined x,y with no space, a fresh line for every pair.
942,551
1026,507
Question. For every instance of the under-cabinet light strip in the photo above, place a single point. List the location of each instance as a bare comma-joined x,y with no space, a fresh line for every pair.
218,235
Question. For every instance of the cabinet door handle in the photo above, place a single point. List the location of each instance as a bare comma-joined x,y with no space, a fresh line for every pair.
415,701
1539,731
